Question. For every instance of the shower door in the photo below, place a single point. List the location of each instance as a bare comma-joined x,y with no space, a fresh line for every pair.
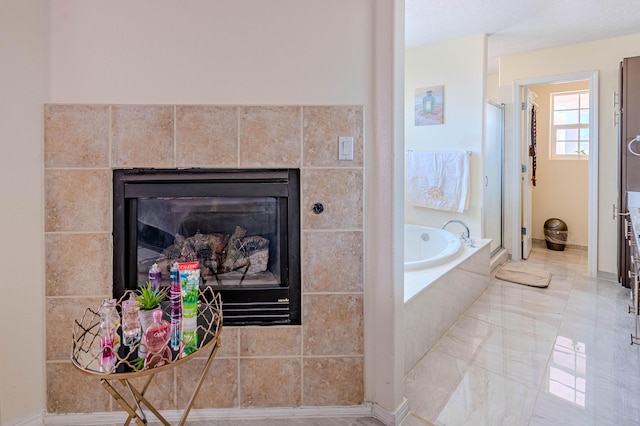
493,175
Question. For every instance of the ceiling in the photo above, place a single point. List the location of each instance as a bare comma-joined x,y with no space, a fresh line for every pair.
516,26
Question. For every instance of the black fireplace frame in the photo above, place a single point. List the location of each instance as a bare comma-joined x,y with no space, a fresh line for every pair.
254,305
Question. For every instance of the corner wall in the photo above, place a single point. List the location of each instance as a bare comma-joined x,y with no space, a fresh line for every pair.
215,53
158,52
22,55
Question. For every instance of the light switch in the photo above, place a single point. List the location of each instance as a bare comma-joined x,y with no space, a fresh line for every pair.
345,148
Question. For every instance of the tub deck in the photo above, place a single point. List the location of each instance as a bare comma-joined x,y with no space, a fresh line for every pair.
435,298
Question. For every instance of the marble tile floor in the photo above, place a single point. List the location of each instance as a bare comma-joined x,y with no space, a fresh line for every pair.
530,356
359,421
525,356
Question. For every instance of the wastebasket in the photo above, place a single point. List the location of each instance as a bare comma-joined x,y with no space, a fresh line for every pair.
555,234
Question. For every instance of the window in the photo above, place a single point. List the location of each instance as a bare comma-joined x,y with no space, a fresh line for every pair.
570,125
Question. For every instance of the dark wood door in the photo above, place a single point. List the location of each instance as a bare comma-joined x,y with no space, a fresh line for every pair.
629,163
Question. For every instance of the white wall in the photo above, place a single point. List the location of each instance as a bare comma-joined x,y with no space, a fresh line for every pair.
493,86
603,56
459,65
22,373
211,52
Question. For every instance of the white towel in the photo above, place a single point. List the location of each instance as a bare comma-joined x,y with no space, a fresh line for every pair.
438,180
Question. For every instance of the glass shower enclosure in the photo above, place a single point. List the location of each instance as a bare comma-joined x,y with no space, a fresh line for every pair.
492,209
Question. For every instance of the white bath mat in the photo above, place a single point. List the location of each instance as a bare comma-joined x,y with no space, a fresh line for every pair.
522,274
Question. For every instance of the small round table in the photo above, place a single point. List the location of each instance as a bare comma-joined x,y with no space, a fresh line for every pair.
86,356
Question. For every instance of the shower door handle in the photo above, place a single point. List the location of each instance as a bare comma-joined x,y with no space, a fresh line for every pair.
636,139
486,181
616,213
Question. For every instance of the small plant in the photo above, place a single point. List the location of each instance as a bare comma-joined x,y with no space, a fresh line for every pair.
150,298
138,363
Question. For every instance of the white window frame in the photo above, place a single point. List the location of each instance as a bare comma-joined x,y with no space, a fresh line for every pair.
579,126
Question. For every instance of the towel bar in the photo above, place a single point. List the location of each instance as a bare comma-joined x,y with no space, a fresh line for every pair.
468,152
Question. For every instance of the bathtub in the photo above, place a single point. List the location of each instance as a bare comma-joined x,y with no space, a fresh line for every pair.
425,247
439,286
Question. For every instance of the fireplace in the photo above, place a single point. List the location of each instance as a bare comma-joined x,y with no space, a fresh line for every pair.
241,226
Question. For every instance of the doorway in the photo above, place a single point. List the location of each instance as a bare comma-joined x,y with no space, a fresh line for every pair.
521,216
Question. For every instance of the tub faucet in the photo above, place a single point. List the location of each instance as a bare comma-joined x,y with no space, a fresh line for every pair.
466,236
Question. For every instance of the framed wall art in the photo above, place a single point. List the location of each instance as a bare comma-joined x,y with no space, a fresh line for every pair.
429,105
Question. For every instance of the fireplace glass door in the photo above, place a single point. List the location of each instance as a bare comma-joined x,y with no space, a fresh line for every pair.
241,226
234,239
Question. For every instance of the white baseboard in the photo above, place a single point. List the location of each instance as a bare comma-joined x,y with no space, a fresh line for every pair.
389,418
498,259
609,276
211,414
35,419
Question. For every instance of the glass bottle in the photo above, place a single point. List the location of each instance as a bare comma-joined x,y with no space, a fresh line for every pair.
155,276
176,308
131,328
107,338
156,338
110,305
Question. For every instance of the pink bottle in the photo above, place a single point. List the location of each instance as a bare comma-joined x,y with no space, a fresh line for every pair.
156,339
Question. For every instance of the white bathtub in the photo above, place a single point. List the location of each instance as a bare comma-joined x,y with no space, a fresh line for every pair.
436,296
425,247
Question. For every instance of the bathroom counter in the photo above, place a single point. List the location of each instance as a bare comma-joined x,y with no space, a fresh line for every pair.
632,231
633,201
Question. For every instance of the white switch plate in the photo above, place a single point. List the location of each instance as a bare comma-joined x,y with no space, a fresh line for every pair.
345,148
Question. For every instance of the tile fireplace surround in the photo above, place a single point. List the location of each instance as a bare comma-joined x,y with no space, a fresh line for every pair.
321,362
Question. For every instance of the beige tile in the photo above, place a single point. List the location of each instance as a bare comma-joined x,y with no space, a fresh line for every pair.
60,316
160,392
339,191
333,381
78,264
228,342
142,136
207,136
77,200
324,253
219,388
322,126
270,382
270,136
71,391
332,324
76,135
270,341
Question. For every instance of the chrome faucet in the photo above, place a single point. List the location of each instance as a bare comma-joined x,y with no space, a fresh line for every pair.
466,236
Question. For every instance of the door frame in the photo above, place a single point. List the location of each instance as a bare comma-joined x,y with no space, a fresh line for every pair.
515,163
526,188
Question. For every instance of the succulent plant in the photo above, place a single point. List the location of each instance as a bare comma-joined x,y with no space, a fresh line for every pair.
150,298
